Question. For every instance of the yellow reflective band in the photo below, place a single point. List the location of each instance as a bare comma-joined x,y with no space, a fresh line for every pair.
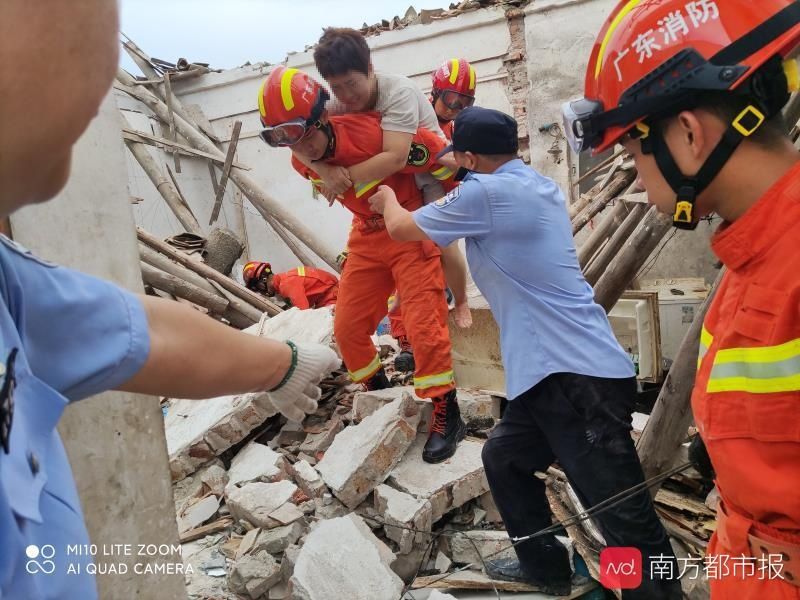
429,381
706,339
792,71
611,29
367,371
471,77
442,173
453,70
316,181
286,88
755,386
301,271
785,351
363,188
261,109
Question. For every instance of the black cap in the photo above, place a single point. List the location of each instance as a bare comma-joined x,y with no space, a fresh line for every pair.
483,131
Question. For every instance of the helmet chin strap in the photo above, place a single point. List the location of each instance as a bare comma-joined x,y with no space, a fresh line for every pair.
687,188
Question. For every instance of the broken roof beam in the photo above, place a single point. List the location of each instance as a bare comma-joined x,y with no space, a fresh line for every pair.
153,140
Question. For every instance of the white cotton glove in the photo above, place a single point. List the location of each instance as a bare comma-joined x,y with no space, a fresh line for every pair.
299,392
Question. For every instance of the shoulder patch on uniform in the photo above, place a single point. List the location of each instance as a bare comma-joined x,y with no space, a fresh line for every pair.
418,155
449,198
18,248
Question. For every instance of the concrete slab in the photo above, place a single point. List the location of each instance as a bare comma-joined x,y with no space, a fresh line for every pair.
324,571
255,501
363,455
406,511
490,545
256,462
448,484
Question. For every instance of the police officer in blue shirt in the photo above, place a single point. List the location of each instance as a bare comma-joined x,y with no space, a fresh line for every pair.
571,386
64,335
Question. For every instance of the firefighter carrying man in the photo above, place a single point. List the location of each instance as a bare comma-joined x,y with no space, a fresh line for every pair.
694,91
292,108
304,287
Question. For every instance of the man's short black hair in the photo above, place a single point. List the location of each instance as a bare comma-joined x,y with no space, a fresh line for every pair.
339,50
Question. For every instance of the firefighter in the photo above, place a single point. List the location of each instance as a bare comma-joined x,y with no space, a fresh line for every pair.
304,287
700,112
452,90
292,108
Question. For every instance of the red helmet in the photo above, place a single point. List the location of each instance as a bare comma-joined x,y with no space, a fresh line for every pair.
289,103
651,56
454,82
253,271
654,58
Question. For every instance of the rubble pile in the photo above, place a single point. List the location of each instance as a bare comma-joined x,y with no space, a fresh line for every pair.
339,506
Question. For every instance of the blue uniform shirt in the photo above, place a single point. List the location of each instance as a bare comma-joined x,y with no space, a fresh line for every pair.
522,257
76,336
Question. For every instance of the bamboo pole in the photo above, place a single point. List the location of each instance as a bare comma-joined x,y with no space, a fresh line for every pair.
616,241
626,264
183,289
219,192
202,269
671,416
602,232
249,187
597,168
245,313
583,201
617,184
158,142
142,61
164,187
172,133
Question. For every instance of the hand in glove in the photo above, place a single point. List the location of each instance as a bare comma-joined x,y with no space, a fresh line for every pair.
299,391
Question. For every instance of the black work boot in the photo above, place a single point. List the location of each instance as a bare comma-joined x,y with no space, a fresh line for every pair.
379,381
446,429
404,361
547,566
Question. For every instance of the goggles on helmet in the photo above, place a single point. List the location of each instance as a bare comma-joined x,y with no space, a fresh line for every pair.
455,100
577,116
288,134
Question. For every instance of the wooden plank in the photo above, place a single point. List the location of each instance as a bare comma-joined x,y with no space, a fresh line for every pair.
229,284
226,171
146,138
203,531
177,188
172,132
213,174
474,580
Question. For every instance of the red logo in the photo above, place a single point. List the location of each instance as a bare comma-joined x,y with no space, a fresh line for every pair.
621,568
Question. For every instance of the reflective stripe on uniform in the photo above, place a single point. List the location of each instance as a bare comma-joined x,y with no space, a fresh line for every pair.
429,381
368,371
706,339
764,370
363,188
301,271
442,173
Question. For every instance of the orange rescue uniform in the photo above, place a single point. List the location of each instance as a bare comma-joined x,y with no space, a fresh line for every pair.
307,287
746,399
377,264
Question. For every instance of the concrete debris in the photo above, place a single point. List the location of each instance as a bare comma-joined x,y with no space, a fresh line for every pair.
205,480
308,480
291,433
323,571
437,595
256,462
362,456
303,326
255,502
199,430
406,565
279,592
290,556
443,563
489,544
199,584
320,442
478,408
486,502
247,543
448,484
330,510
366,403
403,510
479,516
254,575
286,514
276,541
198,513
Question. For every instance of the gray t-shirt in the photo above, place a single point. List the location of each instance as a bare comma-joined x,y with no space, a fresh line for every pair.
402,105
